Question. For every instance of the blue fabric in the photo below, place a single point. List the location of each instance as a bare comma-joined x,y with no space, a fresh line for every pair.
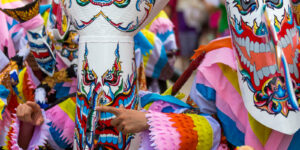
3,92
142,43
207,92
43,8
295,144
164,36
61,91
232,133
57,137
149,98
163,60
168,109
14,22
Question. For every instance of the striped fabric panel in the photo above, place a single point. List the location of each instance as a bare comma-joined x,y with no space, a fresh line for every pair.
155,61
204,131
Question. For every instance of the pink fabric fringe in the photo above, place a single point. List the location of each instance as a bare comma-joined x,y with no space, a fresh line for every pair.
39,136
162,134
62,121
161,25
6,120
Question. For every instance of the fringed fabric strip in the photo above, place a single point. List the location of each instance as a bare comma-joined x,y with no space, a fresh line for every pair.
184,124
170,131
204,131
62,124
163,136
7,119
39,136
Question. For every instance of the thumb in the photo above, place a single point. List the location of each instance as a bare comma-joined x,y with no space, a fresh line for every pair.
39,121
35,107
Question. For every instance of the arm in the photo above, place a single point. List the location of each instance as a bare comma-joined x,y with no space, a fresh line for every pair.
167,130
29,125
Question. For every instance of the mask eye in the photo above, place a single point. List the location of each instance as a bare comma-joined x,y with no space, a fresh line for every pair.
275,3
246,6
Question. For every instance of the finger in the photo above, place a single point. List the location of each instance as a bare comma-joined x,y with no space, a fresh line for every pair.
19,111
39,121
126,130
110,109
121,127
35,107
122,106
116,122
28,115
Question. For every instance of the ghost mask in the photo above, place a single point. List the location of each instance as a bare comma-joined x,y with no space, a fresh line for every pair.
106,68
269,85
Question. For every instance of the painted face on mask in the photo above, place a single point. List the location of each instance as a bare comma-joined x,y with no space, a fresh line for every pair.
263,82
107,74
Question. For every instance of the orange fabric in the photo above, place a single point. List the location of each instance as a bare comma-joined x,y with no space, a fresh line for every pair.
216,44
185,125
28,90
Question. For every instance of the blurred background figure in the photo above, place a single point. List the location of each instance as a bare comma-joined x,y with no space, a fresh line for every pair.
192,15
196,22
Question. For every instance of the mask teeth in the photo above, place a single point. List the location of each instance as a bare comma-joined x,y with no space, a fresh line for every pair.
256,47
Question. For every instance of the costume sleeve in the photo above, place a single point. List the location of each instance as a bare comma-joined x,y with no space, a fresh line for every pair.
38,139
203,95
180,131
174,126
62,124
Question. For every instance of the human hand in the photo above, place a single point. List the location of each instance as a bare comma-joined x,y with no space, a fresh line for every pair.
126,121
30,112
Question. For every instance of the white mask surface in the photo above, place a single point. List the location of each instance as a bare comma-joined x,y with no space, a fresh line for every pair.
264,88
106,69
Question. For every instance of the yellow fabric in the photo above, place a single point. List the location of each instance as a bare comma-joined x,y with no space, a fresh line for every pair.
69,107
45,17
148,106
261,131
231,76
21,97
169,92
9,1
204,131
151,38
2,106
162,14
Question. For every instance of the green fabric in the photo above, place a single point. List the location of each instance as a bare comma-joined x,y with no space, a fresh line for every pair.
223,23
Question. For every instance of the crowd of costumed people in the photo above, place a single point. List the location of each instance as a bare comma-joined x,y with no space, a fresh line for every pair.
110,74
